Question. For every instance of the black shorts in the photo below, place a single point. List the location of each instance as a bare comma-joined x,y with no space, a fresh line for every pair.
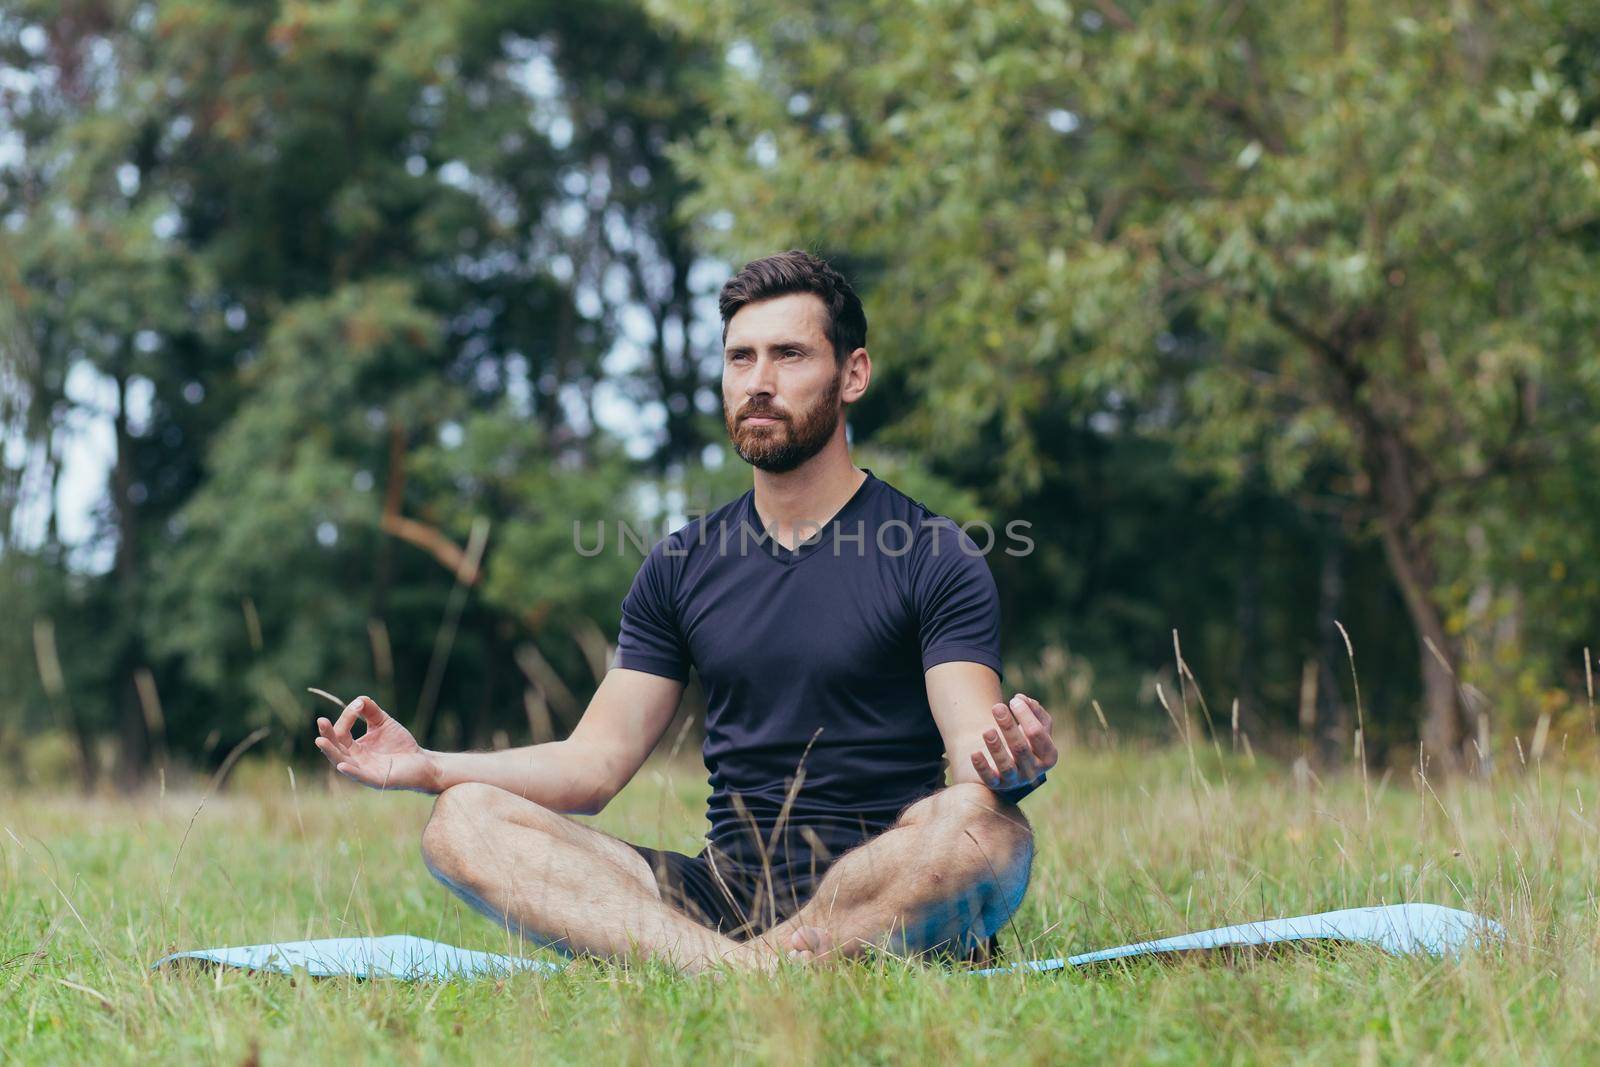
741,901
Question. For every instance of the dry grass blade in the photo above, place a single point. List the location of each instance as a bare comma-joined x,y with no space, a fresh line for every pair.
325,695
1361,722
1196,779
104,1000
1588,681
789,797
1541,737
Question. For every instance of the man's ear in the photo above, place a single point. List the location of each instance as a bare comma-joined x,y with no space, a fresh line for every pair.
857,375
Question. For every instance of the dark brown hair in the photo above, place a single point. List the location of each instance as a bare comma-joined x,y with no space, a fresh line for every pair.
797,271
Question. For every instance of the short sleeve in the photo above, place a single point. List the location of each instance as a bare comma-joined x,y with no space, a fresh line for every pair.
958,604
650,639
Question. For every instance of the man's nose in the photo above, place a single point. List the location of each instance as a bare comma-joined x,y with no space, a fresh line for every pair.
763,379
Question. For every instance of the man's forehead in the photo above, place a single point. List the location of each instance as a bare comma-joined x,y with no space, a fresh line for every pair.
791,317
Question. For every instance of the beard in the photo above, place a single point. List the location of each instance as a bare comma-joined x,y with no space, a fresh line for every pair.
782,446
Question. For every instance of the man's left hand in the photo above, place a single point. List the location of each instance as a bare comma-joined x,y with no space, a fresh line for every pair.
1019,746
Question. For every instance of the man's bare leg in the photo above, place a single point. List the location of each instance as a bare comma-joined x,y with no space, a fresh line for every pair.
949,872
560,883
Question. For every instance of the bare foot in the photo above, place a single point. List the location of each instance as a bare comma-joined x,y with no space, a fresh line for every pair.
766,953
752,956
808,944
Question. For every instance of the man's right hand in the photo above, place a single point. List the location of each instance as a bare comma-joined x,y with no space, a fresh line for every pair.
385,757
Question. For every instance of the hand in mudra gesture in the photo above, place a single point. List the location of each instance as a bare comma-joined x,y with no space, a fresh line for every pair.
386,756
1019,746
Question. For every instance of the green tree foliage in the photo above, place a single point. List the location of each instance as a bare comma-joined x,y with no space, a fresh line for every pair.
1348,251
1267,319
350,269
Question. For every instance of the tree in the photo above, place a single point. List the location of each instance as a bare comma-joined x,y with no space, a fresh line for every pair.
318,255
1357,244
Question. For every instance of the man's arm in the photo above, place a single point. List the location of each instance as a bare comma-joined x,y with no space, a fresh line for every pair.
998,744
626,717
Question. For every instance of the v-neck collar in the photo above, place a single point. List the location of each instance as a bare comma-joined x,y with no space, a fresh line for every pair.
776,551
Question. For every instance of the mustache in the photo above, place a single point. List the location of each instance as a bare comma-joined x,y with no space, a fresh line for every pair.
764,413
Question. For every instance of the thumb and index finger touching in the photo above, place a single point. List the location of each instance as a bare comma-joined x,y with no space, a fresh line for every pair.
335,739
363,708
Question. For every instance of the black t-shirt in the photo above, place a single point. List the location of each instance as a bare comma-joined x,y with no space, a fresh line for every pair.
813,660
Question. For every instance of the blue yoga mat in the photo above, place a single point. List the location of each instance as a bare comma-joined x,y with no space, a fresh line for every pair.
1401,929
396,956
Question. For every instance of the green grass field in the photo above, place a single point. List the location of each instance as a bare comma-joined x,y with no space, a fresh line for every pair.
1131,844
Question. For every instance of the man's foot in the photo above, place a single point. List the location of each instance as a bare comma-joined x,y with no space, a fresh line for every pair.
754,956
808,944
766,953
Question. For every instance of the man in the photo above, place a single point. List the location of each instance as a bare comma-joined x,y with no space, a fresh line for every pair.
846,639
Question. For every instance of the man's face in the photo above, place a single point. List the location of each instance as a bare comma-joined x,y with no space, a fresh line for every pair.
780,382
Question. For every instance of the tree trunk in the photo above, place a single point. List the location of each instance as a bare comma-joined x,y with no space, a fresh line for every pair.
1334,714
1398,477
1444,728
133,735
1396,471
1247,619
1248,613
88,757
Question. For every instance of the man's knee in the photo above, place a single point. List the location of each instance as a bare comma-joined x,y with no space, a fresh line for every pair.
978,855
976,839
463,816
968,808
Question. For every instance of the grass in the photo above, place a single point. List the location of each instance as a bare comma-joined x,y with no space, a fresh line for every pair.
1131,844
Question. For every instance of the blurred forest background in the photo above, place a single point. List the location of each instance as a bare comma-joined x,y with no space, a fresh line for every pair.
322,322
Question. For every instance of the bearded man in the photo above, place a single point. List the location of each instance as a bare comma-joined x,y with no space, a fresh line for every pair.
848,643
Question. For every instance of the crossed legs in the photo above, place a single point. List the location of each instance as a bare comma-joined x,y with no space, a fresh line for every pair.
557,882
950,872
